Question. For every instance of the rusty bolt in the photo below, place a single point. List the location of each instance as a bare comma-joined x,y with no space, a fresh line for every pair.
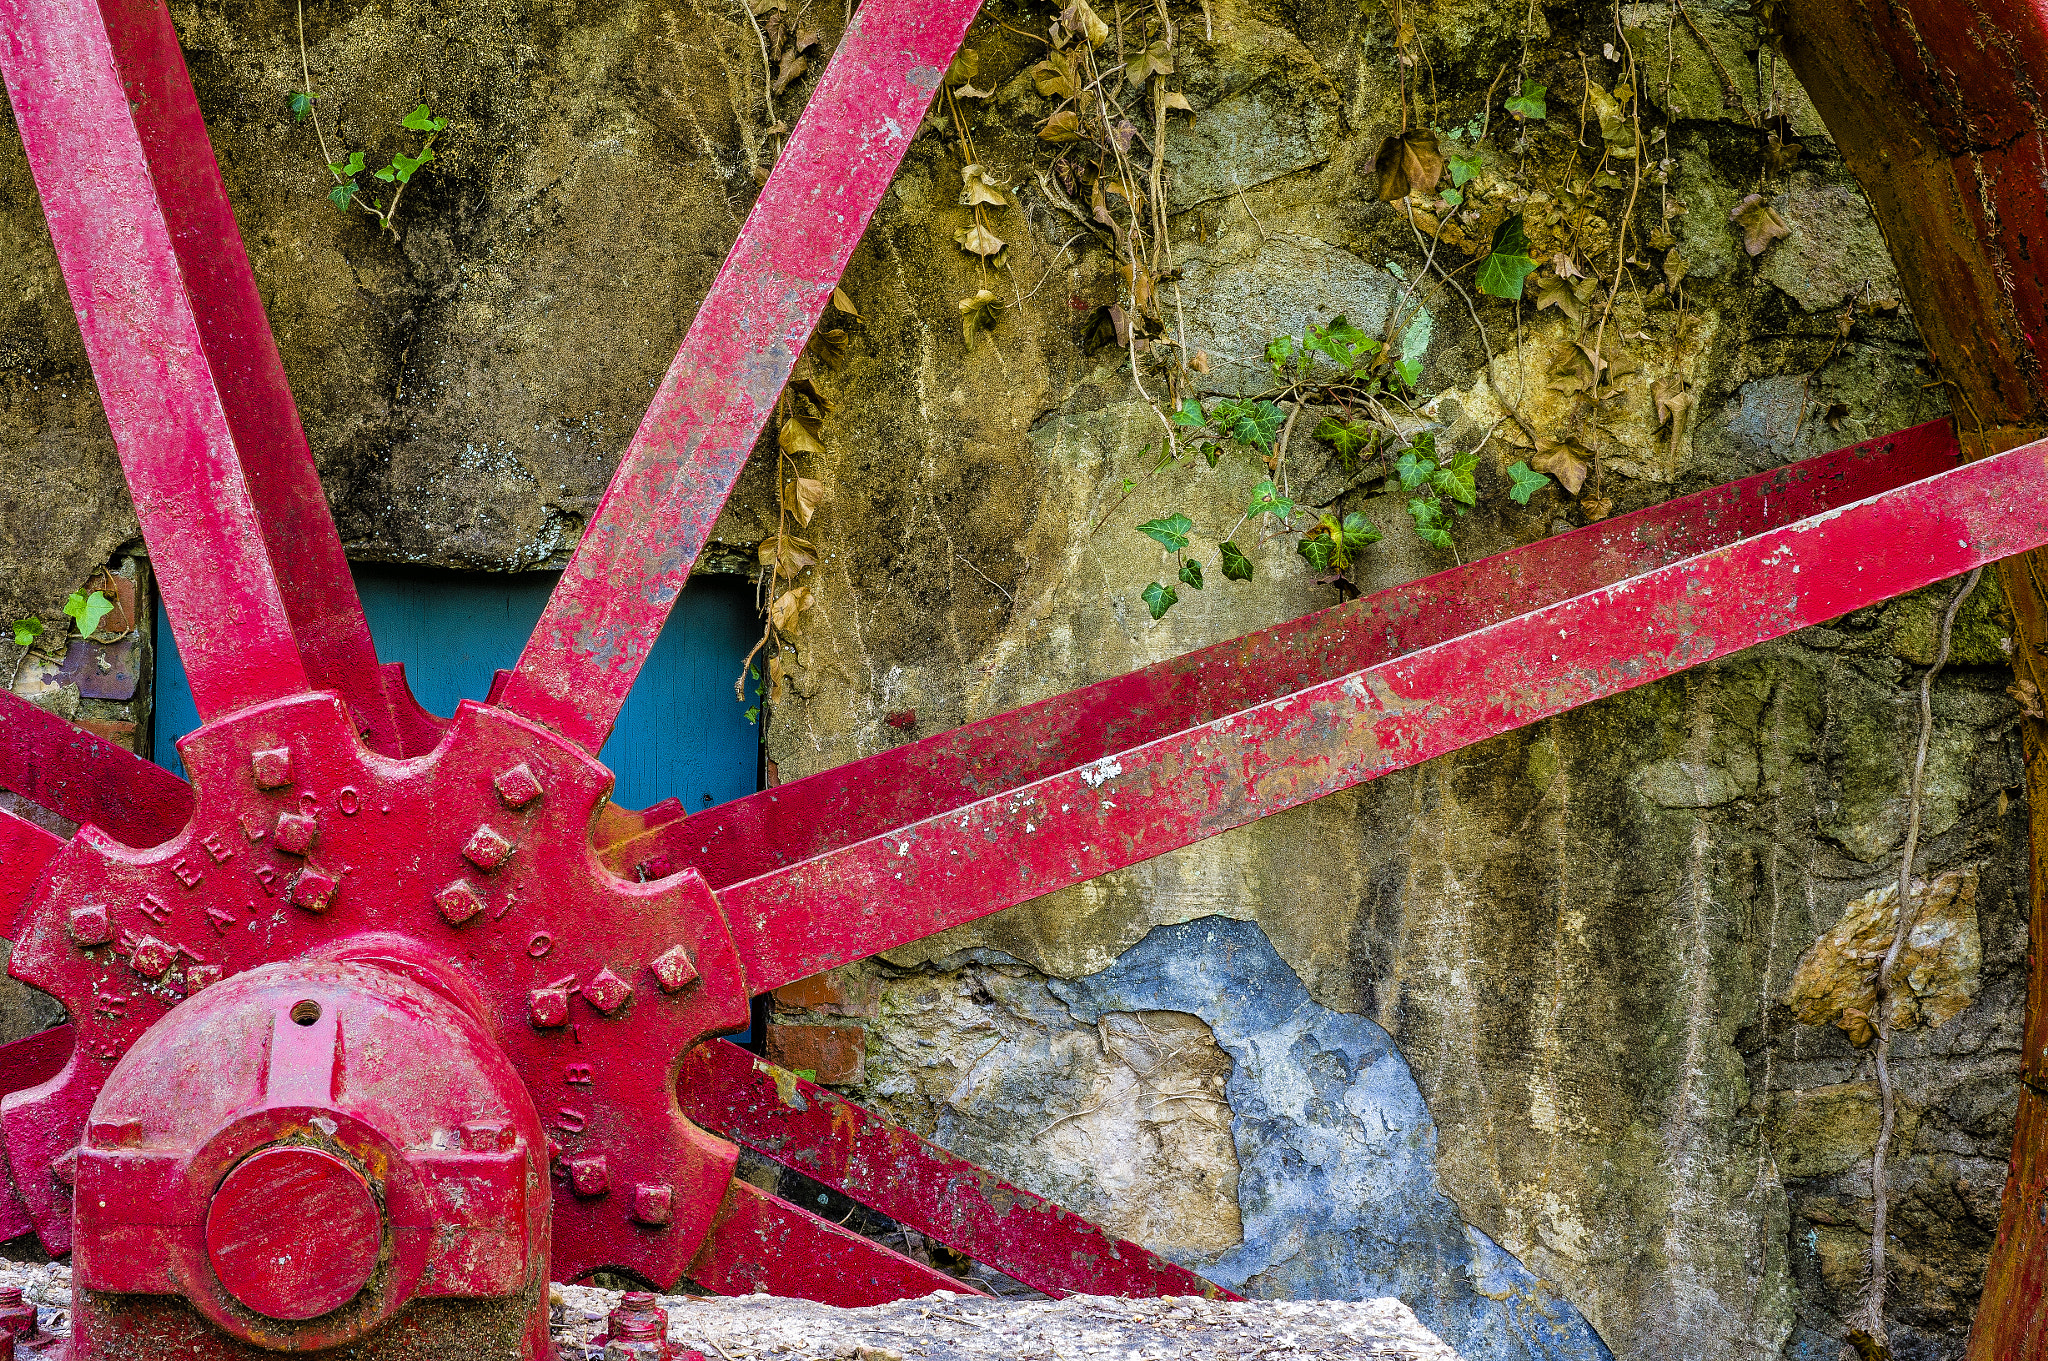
92,924
272,766
487,848
458,902
517,786
115,1133
589,1176
295,833
674,969
636,1318
608,992
548,1007
487,1136
200,976
651,1202
312,889
17,1316
152,958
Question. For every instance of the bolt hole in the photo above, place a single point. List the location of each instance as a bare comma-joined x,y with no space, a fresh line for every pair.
305,1013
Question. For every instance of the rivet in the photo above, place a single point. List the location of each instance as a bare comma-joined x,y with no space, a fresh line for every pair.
199,977
152,958
547,1007
312,889
458,902
589,1176
652,1203
272,767
91,924
674,969
517,786
295,833
607,992
487,848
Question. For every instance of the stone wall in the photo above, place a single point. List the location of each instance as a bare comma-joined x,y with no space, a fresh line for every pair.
1512,1034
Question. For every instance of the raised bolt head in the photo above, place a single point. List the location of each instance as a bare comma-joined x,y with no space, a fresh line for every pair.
607,992
547,1007
517,786
637,1318
200,976
115,1133
312,889
487,1136
295,833
487,847
674,969
17,1316
651,1203
92,924
589,1176
152,958
272,767
458,902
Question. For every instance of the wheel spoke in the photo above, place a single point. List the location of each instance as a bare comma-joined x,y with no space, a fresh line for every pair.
609,606
907,784
230,502
84,778
1147,799
886,1167
759,1243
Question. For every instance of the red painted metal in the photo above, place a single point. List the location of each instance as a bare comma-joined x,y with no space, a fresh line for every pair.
609,606
308,1148
86,778
1130,805
907,784
829,1139
494,1000
759,1244
188,370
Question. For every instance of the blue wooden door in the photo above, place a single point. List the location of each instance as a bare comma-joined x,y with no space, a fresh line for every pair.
681,733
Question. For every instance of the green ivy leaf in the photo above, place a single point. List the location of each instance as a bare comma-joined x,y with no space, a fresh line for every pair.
1212,452
1318,549
1501,273
754,714
302,104
1430,525
88,610
1462,169
1159,599
1191,573
1529,103
1280,352
1236,566
1527,482
1458,479
1189,414
1452,197
1358,532
1412,470
1170,533
350,168
340,194
1409,371
1256,423
1352,439
26,631
404,166
1268,501
423,120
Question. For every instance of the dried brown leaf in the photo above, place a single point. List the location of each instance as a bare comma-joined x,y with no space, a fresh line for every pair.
978,314
843,302
801,497
829,347
788,554
1408,163
787,606
1082,22
1056,77
1156,60
1564,461
978,240
1064,126
801,435
1674,270
1176,100
1760,223
1555,292
980,187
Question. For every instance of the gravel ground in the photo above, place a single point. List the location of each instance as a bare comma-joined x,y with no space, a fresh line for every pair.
948,1327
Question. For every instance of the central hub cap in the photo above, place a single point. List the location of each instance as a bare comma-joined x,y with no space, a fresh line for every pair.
293,1232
